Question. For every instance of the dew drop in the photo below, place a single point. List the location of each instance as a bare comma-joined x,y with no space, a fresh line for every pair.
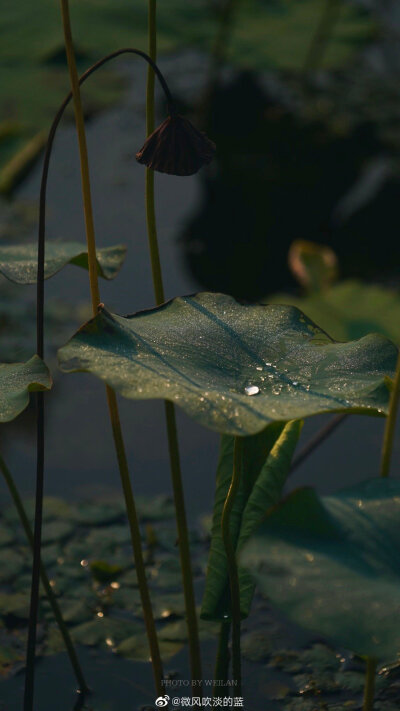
252,390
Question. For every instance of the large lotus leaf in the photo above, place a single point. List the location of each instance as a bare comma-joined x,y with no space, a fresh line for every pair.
18,262
17,380
351,309
233,368
256,448
333,564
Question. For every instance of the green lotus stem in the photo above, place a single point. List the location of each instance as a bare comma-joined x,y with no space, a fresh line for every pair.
322,35
222,660
111,397
369,690
232,562
218,51
173,446
82,686
388,436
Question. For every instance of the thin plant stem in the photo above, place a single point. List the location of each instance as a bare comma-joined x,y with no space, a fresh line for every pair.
388,436
317,440
84,160
369,689
82,686
29,686
40,337
232,562
177,485
218,51
322,35
184,548
111,397
222,661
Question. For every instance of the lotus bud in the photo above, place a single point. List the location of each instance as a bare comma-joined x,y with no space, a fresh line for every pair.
176,147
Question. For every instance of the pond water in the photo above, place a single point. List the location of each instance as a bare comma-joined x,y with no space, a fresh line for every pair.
80,459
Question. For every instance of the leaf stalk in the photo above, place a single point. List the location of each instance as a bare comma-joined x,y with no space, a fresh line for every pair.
173,446
232,562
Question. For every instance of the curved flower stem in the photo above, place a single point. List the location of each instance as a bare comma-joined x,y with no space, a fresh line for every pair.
232,562
82,686
40,337
111,397
173,446
369,690
222,660
391,423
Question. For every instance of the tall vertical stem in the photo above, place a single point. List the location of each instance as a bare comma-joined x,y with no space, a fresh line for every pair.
322,35
232,562
45,581
83,154
222,661
391,423
369,690
37,544
111,397
179,499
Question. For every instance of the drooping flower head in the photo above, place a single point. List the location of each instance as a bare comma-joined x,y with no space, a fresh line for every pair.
176,147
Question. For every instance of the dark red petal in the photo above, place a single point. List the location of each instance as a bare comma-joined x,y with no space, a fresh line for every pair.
176,147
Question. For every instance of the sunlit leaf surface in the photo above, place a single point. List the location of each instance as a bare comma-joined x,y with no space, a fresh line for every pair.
333,564
351,309
233,368
17,380
18,262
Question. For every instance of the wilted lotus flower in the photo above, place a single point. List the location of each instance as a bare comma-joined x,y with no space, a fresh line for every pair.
176,147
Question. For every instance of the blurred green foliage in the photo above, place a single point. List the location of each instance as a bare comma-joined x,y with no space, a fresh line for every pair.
33,79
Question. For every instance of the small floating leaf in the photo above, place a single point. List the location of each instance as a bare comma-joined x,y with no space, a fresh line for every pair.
17,380
6,535
104,572
18,262
12,564
137,648
202,351
333,564
94,514
101,629
15,605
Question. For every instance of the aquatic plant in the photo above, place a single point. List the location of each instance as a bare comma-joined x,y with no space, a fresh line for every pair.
249,372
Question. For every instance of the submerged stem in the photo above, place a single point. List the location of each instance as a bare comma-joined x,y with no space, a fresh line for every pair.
111,397
173,446
37,544
232,562
222,660
369,689
391,423
82,686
